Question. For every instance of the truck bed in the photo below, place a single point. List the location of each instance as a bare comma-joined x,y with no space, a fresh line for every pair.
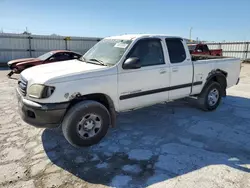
204,64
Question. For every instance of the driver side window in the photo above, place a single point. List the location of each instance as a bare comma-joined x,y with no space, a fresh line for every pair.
149,52
53,58
61,56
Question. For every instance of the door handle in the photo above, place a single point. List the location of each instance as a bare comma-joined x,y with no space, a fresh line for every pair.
175,69
163,71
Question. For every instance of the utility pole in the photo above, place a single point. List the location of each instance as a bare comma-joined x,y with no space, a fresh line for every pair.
190,34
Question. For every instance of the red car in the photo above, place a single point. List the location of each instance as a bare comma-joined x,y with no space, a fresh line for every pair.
19,65
202,49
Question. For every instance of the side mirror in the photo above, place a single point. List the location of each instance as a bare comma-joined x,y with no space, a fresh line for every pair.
132,63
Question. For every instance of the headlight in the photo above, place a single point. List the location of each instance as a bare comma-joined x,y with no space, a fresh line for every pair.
40,91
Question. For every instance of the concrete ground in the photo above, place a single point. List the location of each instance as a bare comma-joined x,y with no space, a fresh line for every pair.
170,145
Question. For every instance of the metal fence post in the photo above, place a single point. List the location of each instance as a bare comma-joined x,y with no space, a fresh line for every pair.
66,42
29,37
247,47
219,45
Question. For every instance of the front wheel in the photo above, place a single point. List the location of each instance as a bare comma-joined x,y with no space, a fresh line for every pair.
86,123
210,97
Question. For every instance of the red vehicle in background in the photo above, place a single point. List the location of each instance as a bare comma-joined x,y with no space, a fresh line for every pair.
19,65
202,49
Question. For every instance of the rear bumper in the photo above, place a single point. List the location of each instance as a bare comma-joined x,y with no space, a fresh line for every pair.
41,115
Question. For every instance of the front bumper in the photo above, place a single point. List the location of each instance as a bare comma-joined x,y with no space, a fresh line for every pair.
48,115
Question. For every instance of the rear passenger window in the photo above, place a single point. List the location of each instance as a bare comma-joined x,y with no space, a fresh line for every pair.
176,50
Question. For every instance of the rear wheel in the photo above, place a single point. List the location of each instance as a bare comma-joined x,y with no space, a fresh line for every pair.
210,97
86,123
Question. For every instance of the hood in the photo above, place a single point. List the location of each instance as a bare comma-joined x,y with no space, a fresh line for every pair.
21,60
58,70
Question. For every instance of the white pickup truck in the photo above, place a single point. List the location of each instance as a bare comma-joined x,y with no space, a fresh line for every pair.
118,74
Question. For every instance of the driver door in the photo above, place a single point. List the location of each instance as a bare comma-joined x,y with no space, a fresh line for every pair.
148,84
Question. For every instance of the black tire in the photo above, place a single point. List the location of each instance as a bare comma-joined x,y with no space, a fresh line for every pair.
203,98
75,114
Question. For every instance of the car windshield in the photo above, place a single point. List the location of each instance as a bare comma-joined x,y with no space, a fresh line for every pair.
107,51
45,56
191,47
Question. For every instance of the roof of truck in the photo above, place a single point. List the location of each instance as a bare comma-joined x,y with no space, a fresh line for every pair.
136,36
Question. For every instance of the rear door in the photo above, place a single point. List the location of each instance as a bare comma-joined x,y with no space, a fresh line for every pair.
181,69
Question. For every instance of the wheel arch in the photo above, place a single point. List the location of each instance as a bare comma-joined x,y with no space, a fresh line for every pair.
218,76
99,97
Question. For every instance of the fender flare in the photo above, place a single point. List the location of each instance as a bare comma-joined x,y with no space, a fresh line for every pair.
111,110
76,97
218,76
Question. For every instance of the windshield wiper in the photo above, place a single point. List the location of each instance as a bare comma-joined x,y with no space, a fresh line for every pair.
96,60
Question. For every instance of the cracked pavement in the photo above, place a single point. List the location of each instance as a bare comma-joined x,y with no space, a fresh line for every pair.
167,145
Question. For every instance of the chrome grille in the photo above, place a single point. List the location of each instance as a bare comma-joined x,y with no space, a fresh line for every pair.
22,85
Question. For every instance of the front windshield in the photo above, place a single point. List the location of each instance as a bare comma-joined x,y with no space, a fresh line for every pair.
45,56
108,51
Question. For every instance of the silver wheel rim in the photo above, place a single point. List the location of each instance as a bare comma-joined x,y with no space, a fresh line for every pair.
213,97
89,126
